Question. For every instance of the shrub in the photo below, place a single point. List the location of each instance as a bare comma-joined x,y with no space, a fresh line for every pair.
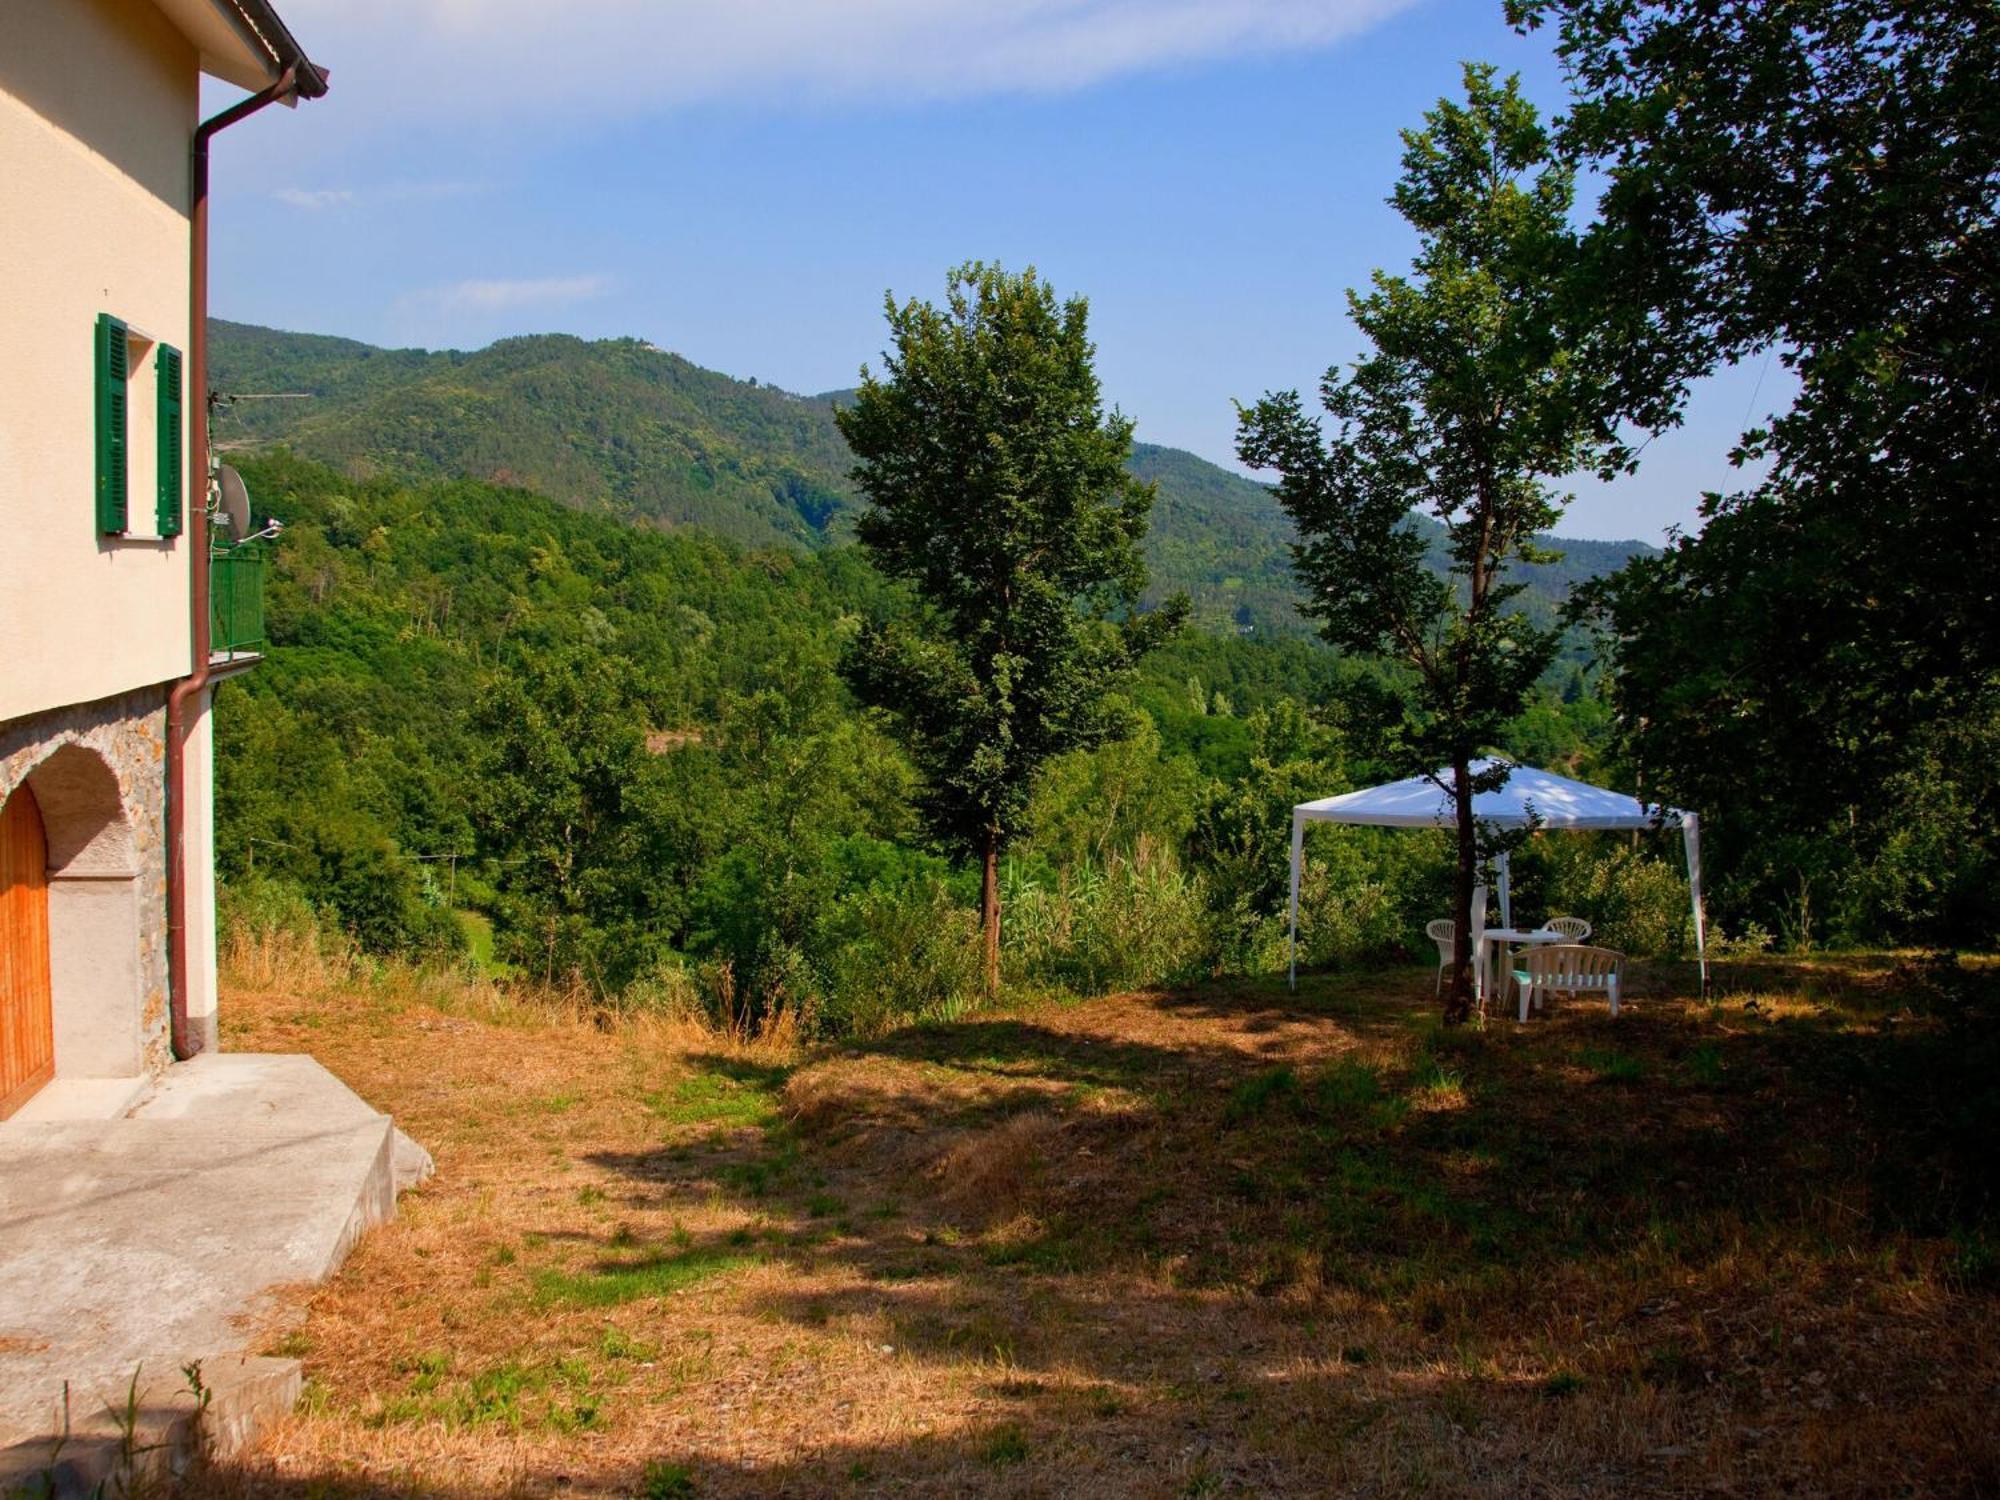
1364,896
1634,900
898,954
673,988
1128,921
257,907
1369,892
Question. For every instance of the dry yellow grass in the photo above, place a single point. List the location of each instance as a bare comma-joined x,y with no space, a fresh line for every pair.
1227,1242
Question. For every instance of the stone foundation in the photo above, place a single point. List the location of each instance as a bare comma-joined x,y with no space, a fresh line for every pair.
98,772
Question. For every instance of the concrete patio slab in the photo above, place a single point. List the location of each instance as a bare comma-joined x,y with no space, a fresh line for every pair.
138,1244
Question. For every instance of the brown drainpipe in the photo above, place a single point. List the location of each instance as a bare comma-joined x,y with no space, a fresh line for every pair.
186,1044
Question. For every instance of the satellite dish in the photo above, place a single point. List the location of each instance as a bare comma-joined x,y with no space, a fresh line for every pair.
232,505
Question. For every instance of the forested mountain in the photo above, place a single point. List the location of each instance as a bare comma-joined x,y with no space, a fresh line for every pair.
615,425
621,427
610,748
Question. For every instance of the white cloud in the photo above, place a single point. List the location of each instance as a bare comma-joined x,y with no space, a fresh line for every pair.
506,58
502,295
314,198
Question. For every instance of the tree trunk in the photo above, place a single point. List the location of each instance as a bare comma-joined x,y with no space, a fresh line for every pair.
1458,993
989,911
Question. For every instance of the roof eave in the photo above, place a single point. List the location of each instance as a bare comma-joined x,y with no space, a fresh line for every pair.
264,30
246,43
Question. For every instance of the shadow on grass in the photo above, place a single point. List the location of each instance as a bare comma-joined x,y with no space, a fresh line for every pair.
1030,1049
1461,1159
1461,1149
1322,1213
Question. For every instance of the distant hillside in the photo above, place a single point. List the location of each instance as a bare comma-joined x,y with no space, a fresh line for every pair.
1223,539
621,427
615,426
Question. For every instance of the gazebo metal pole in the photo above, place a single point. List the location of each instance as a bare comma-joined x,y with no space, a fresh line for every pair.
1691,842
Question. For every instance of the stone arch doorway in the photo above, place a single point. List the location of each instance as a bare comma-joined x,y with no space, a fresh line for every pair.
27,1015
91,873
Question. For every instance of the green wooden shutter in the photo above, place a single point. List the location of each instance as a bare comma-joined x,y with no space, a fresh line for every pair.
167,372
112,361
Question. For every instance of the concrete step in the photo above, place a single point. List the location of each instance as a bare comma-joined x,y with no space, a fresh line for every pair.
82,1099
157,1428
134,1246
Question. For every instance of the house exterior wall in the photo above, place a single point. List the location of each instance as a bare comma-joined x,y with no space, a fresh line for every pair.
98,103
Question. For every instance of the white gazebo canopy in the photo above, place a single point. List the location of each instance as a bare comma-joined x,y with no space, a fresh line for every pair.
1528,799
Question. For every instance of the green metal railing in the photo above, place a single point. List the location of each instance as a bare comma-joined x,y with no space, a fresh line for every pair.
236,600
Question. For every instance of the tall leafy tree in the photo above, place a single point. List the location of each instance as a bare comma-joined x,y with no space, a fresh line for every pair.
998,491
564,738
1489,377
1814,183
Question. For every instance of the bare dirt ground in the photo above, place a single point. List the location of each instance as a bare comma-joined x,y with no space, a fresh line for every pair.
1231,1241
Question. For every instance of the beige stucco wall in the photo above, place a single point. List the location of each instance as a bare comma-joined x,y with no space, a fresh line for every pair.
98,103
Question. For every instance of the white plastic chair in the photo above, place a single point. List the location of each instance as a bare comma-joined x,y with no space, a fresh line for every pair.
1444,932
1575,929
1572,969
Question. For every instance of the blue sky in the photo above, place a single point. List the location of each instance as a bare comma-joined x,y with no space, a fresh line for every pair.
741,182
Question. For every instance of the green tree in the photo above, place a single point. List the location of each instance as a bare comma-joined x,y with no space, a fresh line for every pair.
1489,377
1811,183
1093,805
998,491
566,748
1239,836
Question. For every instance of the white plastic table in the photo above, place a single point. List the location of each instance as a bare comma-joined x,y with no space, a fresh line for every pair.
1499,942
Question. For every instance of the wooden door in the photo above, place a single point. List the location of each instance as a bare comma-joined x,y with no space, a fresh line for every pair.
27,1020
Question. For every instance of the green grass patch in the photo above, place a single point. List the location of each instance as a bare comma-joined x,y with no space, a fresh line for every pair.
1347,1085
553,1395
1277,1088
712,1099
478,930
1004,1446
1704,1065
1439,1082
610,1283
617,1344
1608,1065
665,1481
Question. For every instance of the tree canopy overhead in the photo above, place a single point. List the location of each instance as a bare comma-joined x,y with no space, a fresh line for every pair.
1813,182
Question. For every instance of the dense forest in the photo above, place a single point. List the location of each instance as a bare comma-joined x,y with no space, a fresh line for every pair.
494,726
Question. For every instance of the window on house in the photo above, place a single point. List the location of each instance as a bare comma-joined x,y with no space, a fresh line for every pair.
139,481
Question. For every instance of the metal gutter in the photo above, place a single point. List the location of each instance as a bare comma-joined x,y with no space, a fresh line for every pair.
288,86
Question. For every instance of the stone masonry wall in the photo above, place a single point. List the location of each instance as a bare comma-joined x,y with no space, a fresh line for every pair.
128,733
